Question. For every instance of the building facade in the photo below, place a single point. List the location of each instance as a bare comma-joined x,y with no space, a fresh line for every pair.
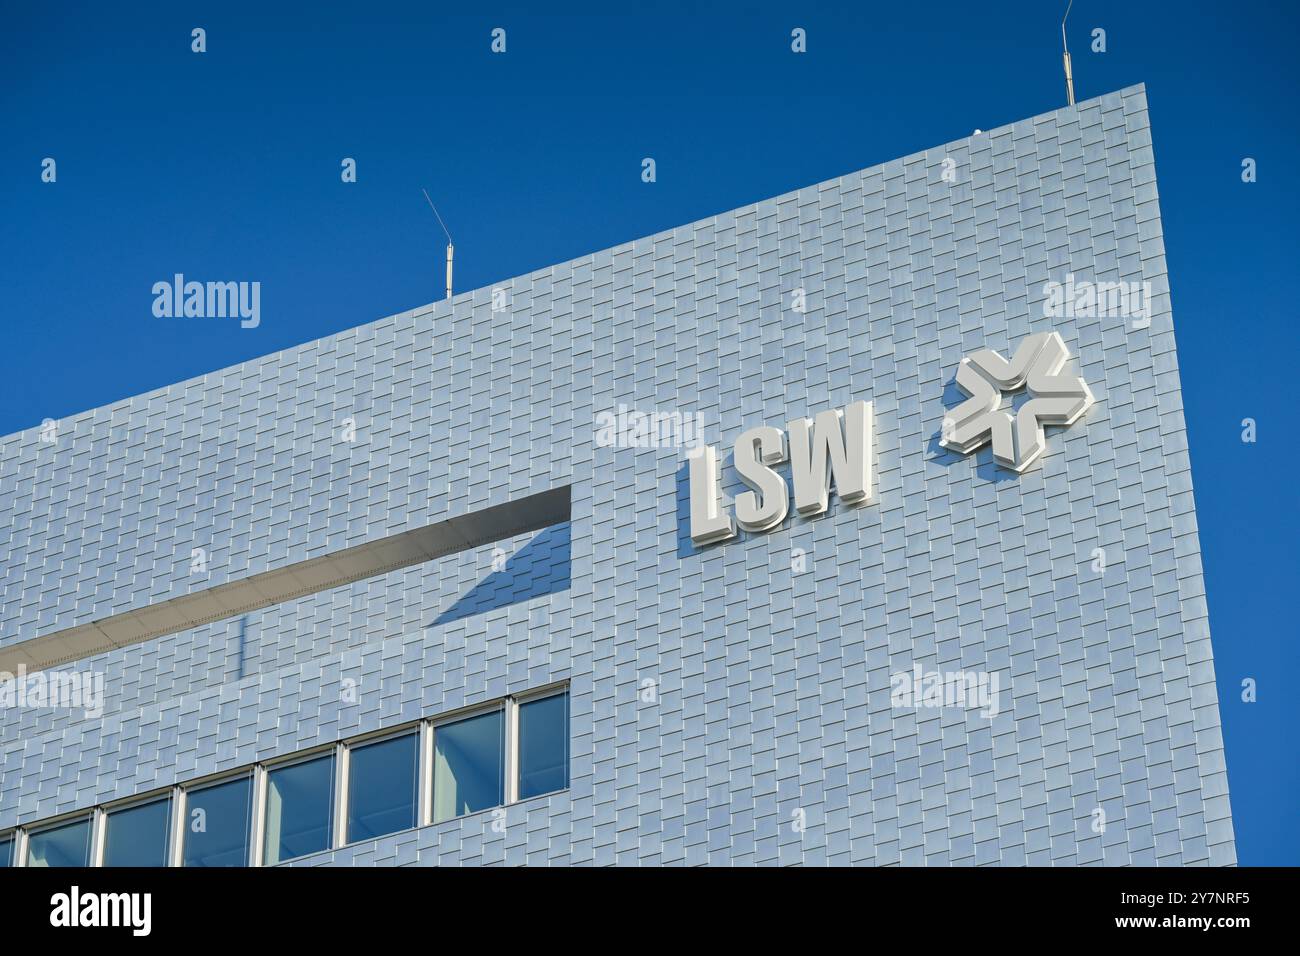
427,592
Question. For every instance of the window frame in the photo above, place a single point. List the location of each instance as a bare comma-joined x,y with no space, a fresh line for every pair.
19,849
559,689
54,823
415,729
205,783
264,769
105,810
502,706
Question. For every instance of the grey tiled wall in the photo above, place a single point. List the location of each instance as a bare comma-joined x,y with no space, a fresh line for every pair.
772,686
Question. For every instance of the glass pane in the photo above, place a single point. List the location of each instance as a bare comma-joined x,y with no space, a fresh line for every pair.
382,786
137,835
217,820
543,745
6,850
299,809
66,845
468,766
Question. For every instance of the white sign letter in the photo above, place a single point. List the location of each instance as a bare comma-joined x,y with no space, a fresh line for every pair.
708,523
850,458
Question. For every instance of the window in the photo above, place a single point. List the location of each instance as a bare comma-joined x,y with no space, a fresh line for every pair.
137,835
67,844
543,745
299,809
468,766
383,785
216,824
514,749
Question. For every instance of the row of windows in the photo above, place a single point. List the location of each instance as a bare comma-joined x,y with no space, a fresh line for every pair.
355,790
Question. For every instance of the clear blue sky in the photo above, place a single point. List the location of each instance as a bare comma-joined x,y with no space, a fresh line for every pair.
226,165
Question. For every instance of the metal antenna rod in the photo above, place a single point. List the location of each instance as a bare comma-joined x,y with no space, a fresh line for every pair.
1069,74
450,248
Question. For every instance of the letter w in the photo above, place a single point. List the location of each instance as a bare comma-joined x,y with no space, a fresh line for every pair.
848,451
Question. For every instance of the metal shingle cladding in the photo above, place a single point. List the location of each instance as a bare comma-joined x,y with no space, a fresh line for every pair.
772,687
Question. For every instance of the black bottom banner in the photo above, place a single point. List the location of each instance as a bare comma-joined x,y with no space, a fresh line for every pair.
334,905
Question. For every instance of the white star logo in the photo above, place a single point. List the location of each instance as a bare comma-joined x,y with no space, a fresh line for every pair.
1055,399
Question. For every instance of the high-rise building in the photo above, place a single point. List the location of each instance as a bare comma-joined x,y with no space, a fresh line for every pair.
549,573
